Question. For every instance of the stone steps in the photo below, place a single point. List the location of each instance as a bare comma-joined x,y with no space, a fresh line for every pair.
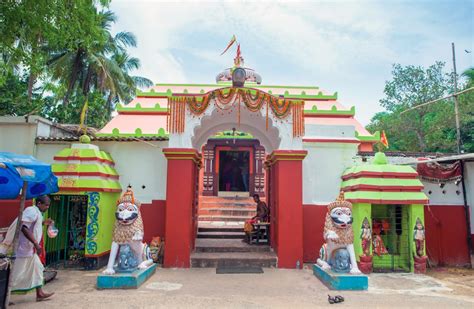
223,235
207,228
240,206
233,259
223,246
227,245
230,211
226,209
226,198
224,218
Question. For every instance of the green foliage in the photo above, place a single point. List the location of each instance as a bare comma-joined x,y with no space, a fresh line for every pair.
55,54
13,98
469,74
96,117
429,128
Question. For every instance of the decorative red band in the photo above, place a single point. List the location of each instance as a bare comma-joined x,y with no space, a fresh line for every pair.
89,189
142,113
383,188
402,202
84,159
86,174
327,116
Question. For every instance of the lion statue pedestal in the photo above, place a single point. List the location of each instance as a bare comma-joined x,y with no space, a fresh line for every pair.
337,264
129,263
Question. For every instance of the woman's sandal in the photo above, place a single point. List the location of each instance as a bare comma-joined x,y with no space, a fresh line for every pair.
331,300
339,298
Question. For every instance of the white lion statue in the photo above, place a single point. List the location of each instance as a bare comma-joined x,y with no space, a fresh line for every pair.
338,234
128,230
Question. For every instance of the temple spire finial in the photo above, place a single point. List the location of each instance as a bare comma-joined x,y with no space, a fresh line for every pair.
238,60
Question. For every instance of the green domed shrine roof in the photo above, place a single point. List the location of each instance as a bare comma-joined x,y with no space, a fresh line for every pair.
382,183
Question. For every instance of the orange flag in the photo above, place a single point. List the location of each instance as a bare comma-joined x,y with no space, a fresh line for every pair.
232,41
383,139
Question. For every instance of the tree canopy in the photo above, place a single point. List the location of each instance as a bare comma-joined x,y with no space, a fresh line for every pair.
57,54
430,128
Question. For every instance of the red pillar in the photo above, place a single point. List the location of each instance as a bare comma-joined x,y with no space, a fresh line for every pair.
182,177
287,192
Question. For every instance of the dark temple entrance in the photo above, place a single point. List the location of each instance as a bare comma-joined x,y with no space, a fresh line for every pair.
234,169
233,165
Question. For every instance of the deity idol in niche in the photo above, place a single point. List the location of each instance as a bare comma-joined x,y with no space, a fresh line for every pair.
366,237
419,237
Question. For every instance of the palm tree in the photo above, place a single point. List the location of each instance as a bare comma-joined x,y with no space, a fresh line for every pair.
127,86
93,67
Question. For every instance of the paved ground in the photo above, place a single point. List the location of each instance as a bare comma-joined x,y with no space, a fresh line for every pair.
276,288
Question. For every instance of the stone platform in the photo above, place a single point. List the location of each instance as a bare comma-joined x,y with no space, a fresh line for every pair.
232,253
337,281
125,280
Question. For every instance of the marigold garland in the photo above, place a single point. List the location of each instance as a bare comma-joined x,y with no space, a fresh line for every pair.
281,108
298,118
176,117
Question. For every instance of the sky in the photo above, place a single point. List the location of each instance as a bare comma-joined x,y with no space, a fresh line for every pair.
344,46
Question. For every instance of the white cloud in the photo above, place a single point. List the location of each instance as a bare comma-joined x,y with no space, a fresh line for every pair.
344,46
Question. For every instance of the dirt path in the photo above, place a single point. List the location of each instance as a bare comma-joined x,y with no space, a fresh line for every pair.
276,288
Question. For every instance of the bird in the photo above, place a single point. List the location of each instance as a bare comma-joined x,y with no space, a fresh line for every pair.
467,51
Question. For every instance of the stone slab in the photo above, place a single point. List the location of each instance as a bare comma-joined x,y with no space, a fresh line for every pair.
337,281
125,280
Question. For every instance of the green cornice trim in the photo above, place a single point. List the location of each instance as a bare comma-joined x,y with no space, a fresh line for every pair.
388,168
84,153
66,183
368,138
230,83
138,133
84,168
303,95
139,108
153,93
385,196
286,94
333,111
382,182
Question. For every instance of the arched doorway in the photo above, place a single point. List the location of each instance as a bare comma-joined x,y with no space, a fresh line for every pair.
276,123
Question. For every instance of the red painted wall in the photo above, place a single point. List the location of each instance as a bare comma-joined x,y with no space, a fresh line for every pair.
180,207
446,235
9,211
153,215
313,227
289,212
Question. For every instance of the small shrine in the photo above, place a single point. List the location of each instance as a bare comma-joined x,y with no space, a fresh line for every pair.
88,185
388,216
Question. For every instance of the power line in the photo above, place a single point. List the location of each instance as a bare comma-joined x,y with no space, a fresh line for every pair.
440,99
455,96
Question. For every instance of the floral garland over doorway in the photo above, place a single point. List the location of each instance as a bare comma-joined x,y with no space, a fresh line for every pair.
226,98
176,116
